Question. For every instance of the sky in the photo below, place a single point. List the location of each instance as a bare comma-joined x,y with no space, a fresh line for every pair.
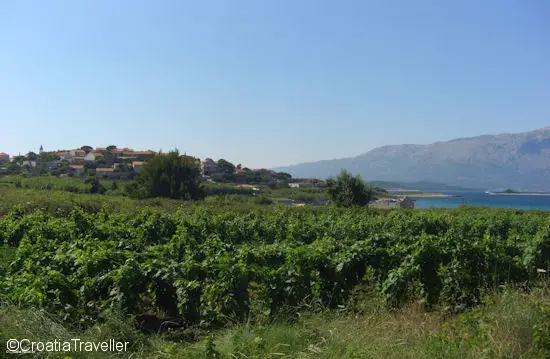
269,83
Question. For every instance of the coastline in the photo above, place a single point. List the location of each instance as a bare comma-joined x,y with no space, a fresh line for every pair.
519,194
426,195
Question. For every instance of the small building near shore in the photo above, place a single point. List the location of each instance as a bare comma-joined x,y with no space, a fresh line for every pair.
405,202
401,202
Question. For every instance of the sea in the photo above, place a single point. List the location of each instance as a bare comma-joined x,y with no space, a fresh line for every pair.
482,199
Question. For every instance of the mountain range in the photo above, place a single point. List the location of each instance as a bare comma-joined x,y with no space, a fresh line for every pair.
519,161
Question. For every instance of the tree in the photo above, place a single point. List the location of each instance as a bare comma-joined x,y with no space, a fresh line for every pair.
87,149
14,168
48,157
111,148
282,176
348,191
19,159
31,156
114,186
225,167
170,176
95,185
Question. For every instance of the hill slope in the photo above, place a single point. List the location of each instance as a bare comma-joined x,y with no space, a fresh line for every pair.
519,161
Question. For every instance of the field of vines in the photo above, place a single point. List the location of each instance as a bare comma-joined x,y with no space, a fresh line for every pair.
210,268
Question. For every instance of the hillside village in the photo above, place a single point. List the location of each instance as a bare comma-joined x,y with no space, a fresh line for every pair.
105,162
113,163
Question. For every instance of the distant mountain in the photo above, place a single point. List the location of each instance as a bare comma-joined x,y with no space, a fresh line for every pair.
519,161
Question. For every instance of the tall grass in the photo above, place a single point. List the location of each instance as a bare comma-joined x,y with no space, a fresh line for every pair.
502,327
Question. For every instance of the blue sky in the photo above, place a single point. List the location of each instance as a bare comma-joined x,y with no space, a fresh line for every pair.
267,83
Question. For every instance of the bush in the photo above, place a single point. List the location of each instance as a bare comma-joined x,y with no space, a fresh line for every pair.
171,176
95,185
263,200
348,191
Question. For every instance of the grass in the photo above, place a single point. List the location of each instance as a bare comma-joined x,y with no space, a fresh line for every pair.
502,327
60,203
71,184
7,255
55,201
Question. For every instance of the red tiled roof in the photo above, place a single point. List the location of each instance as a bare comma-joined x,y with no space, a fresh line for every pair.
138,163
76,167
104,170
97,154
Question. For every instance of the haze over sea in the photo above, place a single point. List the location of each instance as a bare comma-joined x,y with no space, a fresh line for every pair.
481,199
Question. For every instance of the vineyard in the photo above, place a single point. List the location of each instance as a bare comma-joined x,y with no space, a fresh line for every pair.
210,269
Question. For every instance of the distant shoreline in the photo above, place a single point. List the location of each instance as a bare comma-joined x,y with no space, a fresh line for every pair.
426,195
518,194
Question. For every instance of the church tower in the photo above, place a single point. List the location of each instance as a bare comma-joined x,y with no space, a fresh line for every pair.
41,149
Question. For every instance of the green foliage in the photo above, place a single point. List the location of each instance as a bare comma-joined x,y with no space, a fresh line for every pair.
347,190
171,176
31,156
87,149
225,167
95,185
500,328
210,351
541,335
217,189
210,267
263,200
114,186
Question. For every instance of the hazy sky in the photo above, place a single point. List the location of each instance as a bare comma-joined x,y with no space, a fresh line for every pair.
269,82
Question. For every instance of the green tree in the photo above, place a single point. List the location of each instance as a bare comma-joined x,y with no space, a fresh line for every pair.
170,176
95,185
48,157
347,190
19,159
87,149
31,156
14,168
226,167
111,148
114,186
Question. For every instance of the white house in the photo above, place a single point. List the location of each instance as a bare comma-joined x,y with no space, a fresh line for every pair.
300,185
93,156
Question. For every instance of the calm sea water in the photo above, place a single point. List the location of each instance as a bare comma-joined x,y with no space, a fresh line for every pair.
482,199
